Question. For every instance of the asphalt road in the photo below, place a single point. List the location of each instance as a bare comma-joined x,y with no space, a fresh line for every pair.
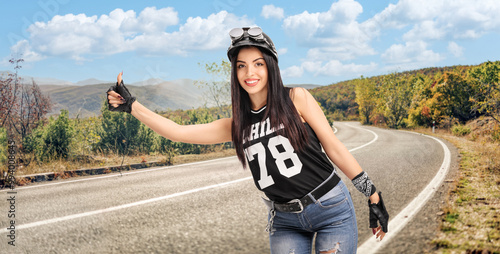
209,207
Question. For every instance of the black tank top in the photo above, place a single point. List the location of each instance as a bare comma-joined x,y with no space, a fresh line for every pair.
278,170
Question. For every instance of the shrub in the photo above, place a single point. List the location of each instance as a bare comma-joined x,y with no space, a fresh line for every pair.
460,130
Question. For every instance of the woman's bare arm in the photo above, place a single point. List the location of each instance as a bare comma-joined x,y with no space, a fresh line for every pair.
218,131
337,152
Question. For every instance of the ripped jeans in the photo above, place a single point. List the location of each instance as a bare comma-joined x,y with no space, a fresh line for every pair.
331,218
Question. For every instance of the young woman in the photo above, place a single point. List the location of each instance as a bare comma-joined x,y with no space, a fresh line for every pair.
278,133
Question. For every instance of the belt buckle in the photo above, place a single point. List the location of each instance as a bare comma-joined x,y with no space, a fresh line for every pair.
300,205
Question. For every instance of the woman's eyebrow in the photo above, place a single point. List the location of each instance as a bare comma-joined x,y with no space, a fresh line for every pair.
241,61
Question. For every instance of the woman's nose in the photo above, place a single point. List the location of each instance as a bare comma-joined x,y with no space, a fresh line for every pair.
250,70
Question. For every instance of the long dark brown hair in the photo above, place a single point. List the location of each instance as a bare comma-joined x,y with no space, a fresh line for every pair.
280,109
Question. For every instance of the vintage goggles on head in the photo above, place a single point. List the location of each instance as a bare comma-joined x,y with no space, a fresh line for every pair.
255,33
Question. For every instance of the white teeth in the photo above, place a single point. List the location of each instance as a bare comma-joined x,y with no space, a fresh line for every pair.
252,82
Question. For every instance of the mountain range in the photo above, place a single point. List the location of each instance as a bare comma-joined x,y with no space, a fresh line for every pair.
85,98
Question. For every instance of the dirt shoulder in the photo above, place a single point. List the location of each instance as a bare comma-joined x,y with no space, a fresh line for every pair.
464,215
470,220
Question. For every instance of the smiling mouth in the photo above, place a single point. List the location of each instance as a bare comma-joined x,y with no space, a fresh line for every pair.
252,82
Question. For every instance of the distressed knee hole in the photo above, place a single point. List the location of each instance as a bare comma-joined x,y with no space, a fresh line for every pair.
334,250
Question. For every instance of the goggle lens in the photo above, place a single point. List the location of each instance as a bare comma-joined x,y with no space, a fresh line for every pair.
238,33
254,31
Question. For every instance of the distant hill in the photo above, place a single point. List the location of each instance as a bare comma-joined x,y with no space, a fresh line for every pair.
306,86
91,81
86,100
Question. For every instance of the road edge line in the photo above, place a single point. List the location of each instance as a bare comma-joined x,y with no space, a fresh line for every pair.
372,245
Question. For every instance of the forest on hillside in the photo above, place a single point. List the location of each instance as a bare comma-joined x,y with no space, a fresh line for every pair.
441,96
444,97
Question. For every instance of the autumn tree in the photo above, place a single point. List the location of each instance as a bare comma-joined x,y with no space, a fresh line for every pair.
366,98
421,112
338,100
9,87
395,98
33,106
23,105
454,93
486,85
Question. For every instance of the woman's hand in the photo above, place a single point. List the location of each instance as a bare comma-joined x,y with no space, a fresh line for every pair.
378,213
119,97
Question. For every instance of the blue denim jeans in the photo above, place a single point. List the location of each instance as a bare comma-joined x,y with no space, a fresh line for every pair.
331,218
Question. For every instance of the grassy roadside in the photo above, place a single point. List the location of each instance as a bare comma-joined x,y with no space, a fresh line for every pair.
116,160
471,218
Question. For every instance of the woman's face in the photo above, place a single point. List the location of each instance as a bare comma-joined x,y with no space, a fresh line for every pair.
252,72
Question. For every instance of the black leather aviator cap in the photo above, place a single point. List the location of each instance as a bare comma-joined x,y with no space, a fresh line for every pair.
241,37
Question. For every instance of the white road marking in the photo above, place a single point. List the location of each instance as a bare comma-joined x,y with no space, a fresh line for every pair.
116,174
373,140
406,215
115,208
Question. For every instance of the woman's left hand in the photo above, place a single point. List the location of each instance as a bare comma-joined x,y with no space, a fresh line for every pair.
378,213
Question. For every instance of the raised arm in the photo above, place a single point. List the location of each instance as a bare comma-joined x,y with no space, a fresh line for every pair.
218,131
311,112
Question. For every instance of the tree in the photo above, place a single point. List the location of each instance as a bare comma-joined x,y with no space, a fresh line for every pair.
22,105
52,140
119,131
9,91
396,95
3,147
338,100
58,136
485,81
32,108
454,93
218,88
366,98
421,112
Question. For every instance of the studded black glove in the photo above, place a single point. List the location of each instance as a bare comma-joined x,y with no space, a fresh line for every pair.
379,213
123,91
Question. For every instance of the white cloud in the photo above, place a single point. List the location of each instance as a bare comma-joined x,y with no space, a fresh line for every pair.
436,20
23,49
282,51
330,68
271,11
455,49
292,72
336,68
80,36
411,55
332,34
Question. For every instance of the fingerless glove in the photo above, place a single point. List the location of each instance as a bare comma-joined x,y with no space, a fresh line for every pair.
124,92
379,213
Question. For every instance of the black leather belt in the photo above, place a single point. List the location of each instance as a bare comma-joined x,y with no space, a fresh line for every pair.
298,205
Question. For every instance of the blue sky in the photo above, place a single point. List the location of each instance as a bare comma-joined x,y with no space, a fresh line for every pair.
319,42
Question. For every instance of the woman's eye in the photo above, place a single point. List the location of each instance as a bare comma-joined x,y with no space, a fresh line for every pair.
241,66
259,64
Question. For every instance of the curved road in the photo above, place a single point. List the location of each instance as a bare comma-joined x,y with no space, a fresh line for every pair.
206,207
